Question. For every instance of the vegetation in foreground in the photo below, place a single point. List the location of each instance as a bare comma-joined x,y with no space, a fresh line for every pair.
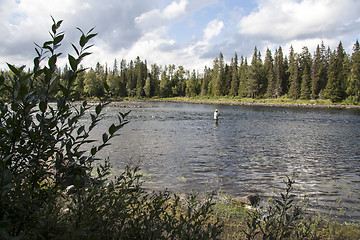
51,189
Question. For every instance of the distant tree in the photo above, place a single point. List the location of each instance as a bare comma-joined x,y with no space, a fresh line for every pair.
317,73
270,74
147,87
279,68
115,70
227,76
294,89
205,82
165,89
191,85
234,88
256,77
243,77
333,86
353,89
93,86
215,80
305,84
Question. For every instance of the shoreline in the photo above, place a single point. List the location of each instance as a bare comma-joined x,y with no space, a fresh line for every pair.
125,103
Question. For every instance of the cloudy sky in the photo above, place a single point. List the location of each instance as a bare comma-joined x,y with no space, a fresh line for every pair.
190,33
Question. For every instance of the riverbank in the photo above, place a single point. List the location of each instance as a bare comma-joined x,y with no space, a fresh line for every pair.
281,102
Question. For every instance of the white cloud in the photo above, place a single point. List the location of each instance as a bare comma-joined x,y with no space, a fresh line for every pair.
283,20
213,29
160,17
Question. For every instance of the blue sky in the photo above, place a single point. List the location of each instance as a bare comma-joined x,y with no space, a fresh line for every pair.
190,33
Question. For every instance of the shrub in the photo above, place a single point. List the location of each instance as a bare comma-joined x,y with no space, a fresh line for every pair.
278,219
47,185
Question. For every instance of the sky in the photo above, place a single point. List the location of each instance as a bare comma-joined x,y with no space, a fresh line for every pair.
188,33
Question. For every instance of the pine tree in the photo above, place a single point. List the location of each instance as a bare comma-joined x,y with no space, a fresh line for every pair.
191,85
270,75
316,74
215,80
165,89
280,83
294,89
305,66
206,81
353,89
333,86
305,84
243,78
256,77
235,78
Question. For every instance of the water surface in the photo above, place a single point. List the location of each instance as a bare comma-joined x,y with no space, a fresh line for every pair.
178,147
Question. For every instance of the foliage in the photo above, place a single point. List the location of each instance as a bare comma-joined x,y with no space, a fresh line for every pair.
49,185
278,220
325,75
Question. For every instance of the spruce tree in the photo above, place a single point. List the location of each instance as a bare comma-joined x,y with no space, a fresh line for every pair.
294,89
235,78
255,80
353,89
316,73
305,84
270,75
243,78
280,83
333,86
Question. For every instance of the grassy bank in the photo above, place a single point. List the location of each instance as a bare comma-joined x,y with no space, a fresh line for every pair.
281,102
235,220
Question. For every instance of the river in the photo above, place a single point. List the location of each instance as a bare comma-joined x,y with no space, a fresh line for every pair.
250,150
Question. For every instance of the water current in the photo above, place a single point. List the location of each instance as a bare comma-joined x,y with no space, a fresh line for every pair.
250,150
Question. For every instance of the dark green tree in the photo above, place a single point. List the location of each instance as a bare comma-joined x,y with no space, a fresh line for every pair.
256,76
305,84
279,68
243,77
270,74
294,78
333,86
205,82
235,78
353,89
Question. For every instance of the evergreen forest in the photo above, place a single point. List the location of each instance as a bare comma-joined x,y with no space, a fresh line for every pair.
325,74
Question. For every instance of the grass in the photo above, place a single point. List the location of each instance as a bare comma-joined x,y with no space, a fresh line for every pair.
283,101
234,219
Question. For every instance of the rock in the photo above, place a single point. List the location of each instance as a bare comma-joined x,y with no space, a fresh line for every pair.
251,200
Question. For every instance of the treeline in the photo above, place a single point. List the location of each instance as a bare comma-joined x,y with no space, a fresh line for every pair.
326,74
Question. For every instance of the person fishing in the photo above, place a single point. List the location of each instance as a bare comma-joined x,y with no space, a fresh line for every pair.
216,116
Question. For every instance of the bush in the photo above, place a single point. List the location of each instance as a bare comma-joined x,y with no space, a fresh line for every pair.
47,183
278,220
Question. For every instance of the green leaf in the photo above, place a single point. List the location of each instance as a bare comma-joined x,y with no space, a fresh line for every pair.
80,130
93,151
73,63
76,50
14,69
112,129
7,177
98,109
52,61
84,55
90,36
106,86
83,41
42,106
58,39
105,137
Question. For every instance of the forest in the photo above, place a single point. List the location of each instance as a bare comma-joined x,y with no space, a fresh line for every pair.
325,74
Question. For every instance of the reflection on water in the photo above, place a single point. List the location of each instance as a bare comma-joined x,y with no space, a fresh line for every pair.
179,147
